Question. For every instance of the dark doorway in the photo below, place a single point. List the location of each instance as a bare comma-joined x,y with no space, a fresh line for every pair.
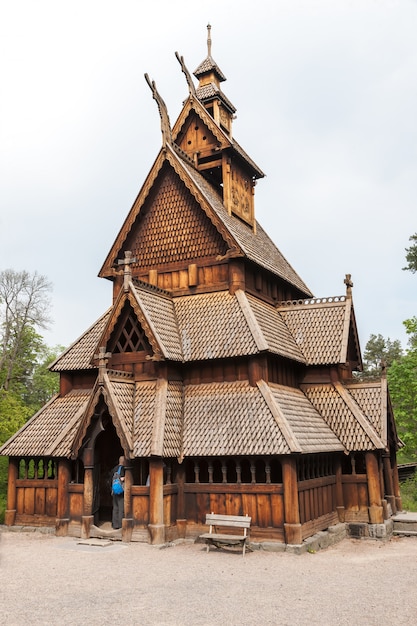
106,456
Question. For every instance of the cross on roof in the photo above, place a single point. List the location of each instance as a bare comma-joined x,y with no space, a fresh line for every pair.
349,285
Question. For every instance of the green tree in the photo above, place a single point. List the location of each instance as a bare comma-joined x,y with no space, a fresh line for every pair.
402,379
24,308
43,383
13,414
411,255
380,351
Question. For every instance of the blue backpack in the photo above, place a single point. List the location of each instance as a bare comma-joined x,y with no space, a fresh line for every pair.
116,483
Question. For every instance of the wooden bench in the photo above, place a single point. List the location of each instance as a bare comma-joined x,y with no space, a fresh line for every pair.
224,539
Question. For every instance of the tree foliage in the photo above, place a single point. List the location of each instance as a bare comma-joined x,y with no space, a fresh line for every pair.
402,379
380,352
411,255
24,306
25,382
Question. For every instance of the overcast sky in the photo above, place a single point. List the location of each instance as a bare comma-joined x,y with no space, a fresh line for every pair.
326,98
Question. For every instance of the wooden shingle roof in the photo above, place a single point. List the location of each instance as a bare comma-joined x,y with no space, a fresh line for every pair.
320,328
225,419
213,326
220,325
80,353
255,245
308,427
170,419
51,431
344,416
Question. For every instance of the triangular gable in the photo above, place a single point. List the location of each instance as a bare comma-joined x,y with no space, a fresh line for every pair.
118,397
167,223
194,109
119,316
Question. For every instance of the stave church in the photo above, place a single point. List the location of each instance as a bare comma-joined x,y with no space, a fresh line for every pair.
226,385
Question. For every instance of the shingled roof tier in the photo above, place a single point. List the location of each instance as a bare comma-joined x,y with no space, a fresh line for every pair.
219,325
214,419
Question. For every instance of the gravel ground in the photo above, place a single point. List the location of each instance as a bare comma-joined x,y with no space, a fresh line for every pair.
55,580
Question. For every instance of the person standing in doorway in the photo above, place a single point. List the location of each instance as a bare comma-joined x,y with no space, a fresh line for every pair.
118,498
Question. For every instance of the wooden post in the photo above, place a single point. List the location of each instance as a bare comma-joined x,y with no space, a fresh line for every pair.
127,521
13,473
128,489
396,483
374,489
340,503
389,483
181,517
156,501
88,517
292,526
64,477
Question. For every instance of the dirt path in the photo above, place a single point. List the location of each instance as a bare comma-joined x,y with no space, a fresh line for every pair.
52,580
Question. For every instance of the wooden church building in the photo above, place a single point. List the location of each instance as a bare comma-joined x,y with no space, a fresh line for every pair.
227,386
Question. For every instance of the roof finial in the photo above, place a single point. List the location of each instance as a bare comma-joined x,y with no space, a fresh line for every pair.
163,112
209,40
191,86
349,285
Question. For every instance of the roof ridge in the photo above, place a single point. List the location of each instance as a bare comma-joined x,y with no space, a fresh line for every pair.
312,301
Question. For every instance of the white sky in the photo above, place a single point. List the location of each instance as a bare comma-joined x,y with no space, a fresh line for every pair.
326,98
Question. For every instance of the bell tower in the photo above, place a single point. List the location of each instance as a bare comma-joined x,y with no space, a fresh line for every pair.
207,139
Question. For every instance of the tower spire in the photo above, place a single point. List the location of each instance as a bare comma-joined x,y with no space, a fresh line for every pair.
209,40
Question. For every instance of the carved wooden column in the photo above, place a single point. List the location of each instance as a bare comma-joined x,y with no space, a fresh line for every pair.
13,473
127,521
88,518
64,477
181,515
340,503
292,526
156,501
374,488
